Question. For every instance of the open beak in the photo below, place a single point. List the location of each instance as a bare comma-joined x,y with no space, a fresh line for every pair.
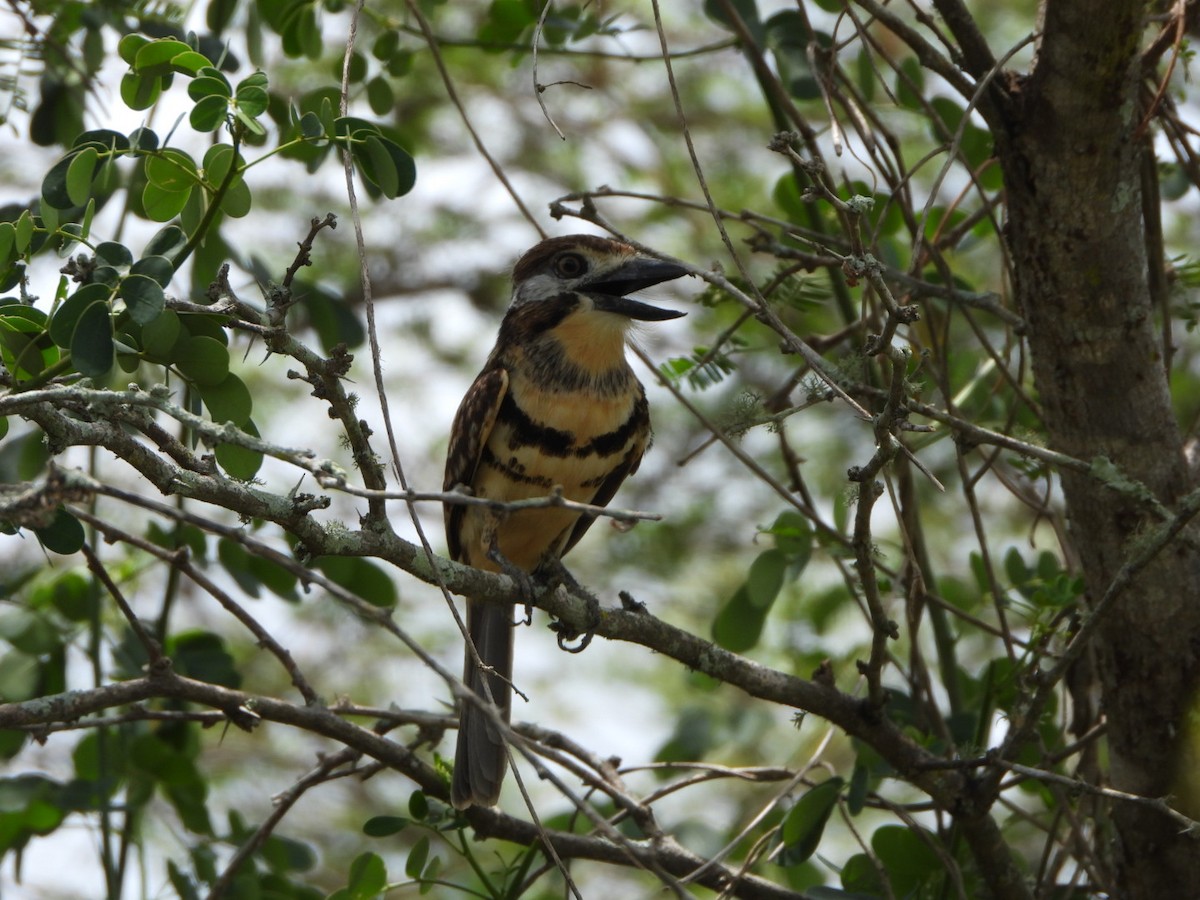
608,294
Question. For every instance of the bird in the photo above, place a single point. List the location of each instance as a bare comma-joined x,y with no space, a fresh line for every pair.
555,407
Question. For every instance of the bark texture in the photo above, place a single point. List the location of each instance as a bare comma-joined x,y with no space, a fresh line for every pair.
1067,138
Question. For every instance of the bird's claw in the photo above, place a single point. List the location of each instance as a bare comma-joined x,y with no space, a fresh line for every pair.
526,590
566,634
560,575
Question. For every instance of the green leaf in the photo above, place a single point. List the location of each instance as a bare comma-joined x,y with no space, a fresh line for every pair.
140,91
385,164
418,806
79,175
368,876
157,267
787,37
24,345
190,62
25,228
252,100
417,856
252,125
311,127
204,656
73,232
162,206
860,877
240,462
50,214
183,886
302,35
209,114
155,58
805,822
376,164
114,254
32,805
129,46
166,763
144,139
18,681
237,200
171,170
8,240
910,84
1016,570
359,576
167,242
28,630
765,578
288,855
10,308
218,160
104,140
219,14
386,45
210,83
256,79
64,535
277,579
62,326
949,115
228,401
92,341
746,10
860,784
429,876
794,536
908,857
211,326
400,64
159,336
203,360
739,623
143,298
71,595
236,560
54,186
384,826
352,129
507,21
358,67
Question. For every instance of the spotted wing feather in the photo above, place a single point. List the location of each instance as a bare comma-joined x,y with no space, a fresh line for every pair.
472,427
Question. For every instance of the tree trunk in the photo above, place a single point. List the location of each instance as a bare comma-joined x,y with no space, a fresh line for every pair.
1072,155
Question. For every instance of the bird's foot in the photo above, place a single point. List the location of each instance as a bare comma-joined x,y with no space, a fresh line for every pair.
558,574
527,591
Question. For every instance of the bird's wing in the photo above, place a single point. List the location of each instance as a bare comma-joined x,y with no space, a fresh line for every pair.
612,482
472,427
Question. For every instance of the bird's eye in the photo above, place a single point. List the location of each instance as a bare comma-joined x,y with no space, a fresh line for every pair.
570,265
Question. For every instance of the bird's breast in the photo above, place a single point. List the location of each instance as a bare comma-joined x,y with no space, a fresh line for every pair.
546,438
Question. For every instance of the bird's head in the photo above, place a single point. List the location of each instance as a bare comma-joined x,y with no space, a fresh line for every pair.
599,270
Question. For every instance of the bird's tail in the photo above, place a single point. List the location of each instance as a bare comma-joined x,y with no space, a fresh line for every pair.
480,759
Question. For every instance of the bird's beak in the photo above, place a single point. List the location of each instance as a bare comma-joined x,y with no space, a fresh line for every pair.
609,292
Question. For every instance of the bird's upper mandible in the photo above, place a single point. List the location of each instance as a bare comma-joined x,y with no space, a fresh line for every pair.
601,268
